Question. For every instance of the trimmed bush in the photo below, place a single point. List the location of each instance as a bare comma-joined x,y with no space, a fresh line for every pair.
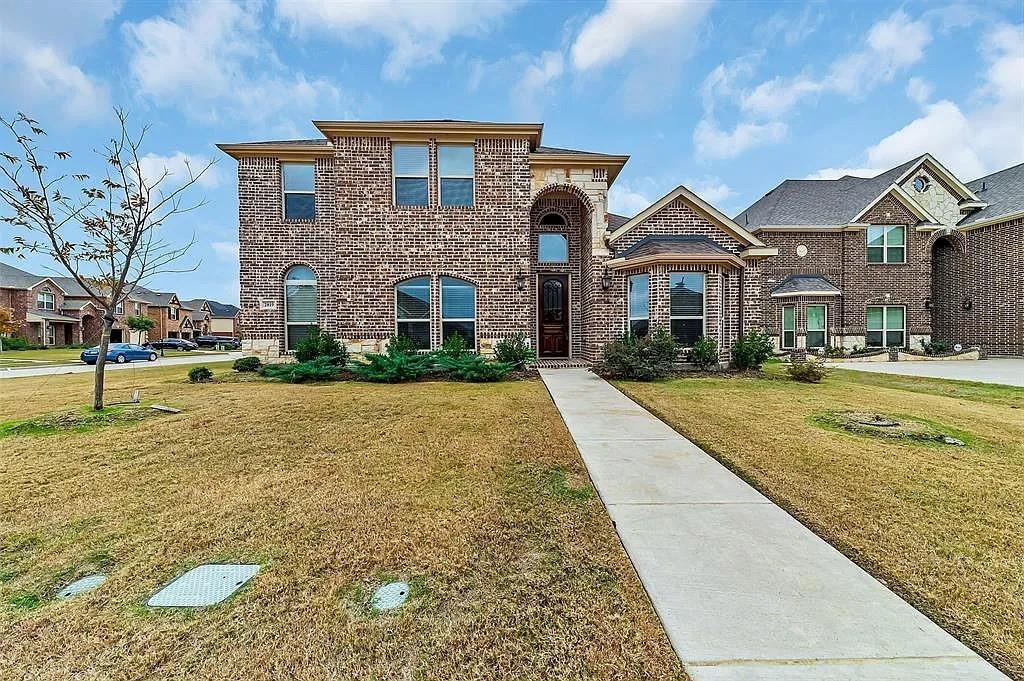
394,366
751,350
19,343
320,343
807,372
247,364
514,351
454,347
473,368
704,353
319,369
200,375
935,347
643,359
402,344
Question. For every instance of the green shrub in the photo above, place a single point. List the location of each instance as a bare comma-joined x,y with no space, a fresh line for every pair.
319,369
807,372
935,347
247,364
200,375
473,368
401,344
18,343
320,343
393,367
835,351
704,353
643,359
751,350
514,351
454,347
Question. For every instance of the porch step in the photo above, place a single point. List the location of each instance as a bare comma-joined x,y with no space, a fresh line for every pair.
560,364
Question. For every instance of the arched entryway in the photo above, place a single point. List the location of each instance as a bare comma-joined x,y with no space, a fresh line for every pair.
948,289
560,269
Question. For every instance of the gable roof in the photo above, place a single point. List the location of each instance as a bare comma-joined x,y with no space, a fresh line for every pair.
805,285
699,204
217,309
665,248
1004,193
616,221
12,277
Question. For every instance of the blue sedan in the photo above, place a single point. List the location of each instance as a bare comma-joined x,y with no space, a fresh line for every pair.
120,353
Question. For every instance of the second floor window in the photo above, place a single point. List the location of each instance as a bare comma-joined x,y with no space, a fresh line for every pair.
172,313
299,196
887,244
119,308
455,174
45,300
411,170
552,248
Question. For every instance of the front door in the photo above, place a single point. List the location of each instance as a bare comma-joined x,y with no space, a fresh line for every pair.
553,313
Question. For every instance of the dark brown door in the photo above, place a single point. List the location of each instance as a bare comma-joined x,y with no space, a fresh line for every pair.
553,313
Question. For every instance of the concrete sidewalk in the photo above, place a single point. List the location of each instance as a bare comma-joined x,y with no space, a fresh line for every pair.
83,368
744,591
1001,370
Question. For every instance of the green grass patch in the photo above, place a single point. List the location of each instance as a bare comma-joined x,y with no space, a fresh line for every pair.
890,426
76,420
25,601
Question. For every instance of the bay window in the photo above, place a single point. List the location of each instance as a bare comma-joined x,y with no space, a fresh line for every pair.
686,306
817,319
788,327
639,305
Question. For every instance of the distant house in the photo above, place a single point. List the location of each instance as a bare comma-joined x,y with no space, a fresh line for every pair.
173,319
57,310
913,254
213,318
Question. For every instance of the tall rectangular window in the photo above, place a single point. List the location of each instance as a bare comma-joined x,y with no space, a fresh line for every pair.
172,313
886,326
299,195
455,174
887,244
458,310
412,311
119,308
817,319
45,300
639,305
299,304
788,327
686,306
411,169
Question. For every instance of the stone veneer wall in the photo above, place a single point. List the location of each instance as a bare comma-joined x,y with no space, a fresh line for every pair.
991,276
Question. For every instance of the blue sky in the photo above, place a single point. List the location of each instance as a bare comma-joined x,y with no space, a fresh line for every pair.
728,98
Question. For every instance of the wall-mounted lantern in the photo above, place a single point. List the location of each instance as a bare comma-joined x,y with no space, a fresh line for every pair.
606,280
520,282
966,304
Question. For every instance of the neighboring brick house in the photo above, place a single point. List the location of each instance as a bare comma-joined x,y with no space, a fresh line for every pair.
57,310
909,255
173,319
430,228
213,318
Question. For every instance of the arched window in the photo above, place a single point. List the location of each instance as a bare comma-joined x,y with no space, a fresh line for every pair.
553,219
412,311
458,309
299,304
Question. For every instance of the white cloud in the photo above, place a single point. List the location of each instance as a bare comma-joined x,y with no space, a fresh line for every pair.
37,55
836,173
623,199
623,27
713,142
416,31
792,29
919,90
975,141
177,167
225,250
210,59
711,189
536,82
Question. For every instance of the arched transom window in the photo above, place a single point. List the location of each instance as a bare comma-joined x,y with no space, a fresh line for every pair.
299,304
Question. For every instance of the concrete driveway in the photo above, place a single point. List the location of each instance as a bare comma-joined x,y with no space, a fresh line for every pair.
1002,371
81,368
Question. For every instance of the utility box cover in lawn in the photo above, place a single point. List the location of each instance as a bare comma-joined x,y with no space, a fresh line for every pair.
202,586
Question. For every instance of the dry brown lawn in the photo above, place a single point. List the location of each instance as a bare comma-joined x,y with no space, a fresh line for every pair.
941,525
474,493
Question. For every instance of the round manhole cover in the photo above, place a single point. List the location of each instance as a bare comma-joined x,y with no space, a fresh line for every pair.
390,596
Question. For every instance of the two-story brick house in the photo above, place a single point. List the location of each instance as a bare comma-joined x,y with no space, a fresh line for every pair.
430,228
903,257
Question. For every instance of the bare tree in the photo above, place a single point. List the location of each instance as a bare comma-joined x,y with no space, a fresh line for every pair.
105,234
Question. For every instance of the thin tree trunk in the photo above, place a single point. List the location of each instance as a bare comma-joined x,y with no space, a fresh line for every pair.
101,361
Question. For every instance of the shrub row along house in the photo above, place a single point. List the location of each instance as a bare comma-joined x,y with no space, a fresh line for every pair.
57,311
431,228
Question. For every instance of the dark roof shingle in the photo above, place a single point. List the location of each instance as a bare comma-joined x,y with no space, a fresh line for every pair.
1003,192
805,285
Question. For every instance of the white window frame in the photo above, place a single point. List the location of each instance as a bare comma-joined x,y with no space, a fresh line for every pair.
395,177
440,289
440,175
565,237
823,330
46,300
119,308
172,312
782,340
137,308
297,282
630,317
50,335
703,299
885,328
285,192
428,319
885,244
